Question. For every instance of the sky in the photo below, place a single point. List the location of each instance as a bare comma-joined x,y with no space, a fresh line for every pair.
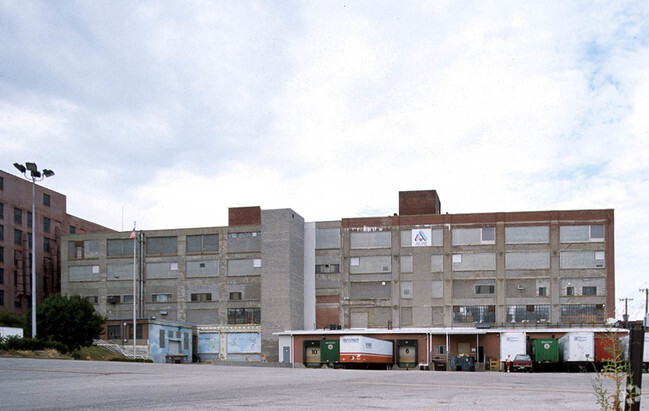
166,113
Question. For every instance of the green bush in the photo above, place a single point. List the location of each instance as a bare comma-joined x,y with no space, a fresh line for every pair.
11,319
16,343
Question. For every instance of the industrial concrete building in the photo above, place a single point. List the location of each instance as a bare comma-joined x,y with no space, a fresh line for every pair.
52,221
268,271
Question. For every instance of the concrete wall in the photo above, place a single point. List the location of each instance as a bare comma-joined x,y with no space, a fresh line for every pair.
282,278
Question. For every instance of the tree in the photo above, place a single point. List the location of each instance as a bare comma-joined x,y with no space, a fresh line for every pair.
68,320
10,319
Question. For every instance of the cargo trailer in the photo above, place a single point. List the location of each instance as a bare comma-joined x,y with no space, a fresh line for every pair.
512,344
545,350
577,350
330,352
357,350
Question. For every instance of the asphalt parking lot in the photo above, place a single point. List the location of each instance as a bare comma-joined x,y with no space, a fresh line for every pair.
33,384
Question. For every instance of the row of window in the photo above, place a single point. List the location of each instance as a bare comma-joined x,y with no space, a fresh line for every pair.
18,239
162,298
328,238
530,260
569,314
205,243
484,289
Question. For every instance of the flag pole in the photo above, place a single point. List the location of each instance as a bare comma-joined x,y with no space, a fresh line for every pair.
134,237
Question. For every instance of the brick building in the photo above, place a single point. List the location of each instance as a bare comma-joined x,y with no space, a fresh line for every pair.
268,271
52,221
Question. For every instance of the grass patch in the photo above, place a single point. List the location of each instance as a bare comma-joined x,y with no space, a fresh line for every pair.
95,353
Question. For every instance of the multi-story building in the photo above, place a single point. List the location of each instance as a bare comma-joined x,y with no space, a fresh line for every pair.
52,221
268,271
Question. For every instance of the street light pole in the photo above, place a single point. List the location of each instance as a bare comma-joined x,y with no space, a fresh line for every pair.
35,175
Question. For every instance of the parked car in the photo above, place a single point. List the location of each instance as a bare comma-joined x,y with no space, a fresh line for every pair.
522,362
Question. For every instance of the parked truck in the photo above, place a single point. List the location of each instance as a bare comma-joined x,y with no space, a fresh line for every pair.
512,344
366,352
577,350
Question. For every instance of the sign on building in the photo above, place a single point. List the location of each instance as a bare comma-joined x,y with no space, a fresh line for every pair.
421,237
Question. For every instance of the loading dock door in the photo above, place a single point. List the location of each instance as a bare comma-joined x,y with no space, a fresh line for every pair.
174,347
463,348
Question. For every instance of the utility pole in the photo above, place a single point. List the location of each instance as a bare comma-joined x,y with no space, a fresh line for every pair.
646,300
626,311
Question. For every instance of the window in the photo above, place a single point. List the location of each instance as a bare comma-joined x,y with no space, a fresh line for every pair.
203,243
46,244
581,233
114,332
582,313
581,259
235,296
527,234
119,248
46,200
2,275
244,235
440,350
589,290
46,224
485,289
475,236
161,245
543,291
161,298
128,298
197,297
138,331
2,211
596,232
2,233
2,297
2,184
570,290
18,237
327,238
327,268
488,235
2,254
84,249
113,299
474,314
373,239
528,313
29,219
18,216
244,316
93,299
406,289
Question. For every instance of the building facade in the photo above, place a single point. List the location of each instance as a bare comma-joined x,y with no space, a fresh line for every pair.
52,222
421,268
268,271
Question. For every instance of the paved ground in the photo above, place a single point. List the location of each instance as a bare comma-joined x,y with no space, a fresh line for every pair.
31,384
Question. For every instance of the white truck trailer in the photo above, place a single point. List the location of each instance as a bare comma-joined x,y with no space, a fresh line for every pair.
362,350
577,350
511,344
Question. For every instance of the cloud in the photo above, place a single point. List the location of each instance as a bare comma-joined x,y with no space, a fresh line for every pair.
173,112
